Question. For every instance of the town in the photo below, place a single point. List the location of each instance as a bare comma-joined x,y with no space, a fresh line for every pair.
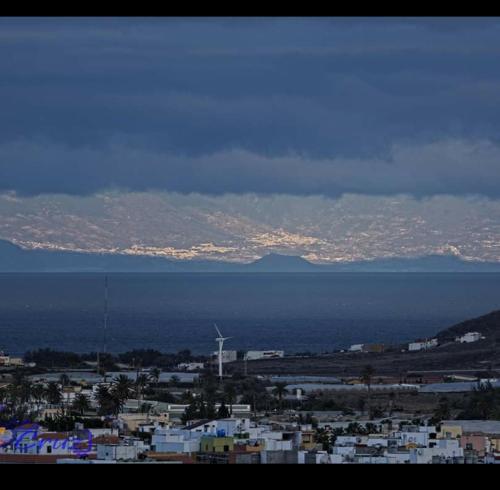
147,407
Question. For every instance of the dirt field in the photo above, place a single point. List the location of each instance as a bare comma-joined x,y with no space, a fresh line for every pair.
465,358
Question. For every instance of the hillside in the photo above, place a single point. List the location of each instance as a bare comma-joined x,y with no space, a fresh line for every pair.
488,325
449,355
282,263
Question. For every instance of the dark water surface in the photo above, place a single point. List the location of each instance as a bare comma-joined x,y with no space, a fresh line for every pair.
294,312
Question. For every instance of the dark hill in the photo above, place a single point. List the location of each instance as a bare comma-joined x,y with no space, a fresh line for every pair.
281,263
488,325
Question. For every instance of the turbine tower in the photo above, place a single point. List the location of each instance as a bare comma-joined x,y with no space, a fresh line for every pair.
220,340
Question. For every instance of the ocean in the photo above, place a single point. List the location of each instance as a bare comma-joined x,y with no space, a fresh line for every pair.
293,312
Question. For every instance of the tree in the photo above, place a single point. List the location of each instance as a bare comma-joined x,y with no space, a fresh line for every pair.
108,403
54,394
140,383
230,395
483,403
155,374
367,376
355,428
223,412
325,438
121,390
392,397
81,403
64,380
361,405
38,393
371,428
190,413
280,391
25,391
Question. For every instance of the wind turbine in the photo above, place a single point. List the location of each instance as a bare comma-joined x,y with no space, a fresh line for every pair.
220,340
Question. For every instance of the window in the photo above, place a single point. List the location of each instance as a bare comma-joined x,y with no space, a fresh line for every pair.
49,449
226,449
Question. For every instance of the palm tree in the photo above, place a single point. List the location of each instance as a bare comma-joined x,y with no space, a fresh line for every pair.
38,393
53,393
280,391
367,375
222,413
18,377
107,402
155,374
141,381
3,395
230,395
25,390
81,403
122,388
64,380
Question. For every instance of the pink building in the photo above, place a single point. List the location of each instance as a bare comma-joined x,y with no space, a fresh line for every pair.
477,442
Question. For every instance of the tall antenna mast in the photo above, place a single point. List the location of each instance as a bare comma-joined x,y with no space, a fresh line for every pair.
105,324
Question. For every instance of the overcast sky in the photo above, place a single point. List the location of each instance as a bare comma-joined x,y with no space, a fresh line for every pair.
292,106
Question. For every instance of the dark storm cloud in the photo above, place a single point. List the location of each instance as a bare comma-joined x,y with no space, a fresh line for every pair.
263,105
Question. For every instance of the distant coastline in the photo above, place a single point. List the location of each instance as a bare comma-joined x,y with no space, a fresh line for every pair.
16,259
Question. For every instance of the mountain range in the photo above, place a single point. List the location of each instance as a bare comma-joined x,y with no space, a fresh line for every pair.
16,259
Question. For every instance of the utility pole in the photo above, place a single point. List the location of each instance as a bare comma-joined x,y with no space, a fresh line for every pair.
105,325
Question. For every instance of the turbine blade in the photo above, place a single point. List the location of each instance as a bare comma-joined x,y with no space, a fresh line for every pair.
218,331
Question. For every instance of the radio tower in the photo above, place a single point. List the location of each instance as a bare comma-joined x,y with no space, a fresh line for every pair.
104,326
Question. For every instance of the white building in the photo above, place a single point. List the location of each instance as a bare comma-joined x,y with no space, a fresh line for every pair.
418,436
351,440
422,345
253,355
192,366
166,440
469,337
397,457
445,448
176,410
118,452
187,439
6,360
356,348
227,355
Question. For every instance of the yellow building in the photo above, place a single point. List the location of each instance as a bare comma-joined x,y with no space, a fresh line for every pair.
450,432
212,444
308,439
133,421
495,444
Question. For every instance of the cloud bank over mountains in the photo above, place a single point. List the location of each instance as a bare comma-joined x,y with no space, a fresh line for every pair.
444,167
334,139
291,106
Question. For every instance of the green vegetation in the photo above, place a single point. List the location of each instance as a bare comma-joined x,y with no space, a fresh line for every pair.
48,358
483,404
